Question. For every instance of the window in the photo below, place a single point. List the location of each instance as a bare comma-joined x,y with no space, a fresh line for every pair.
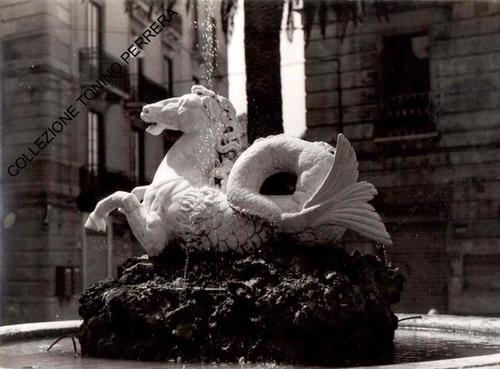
94,25
406,86
95,154
94,31
68,281
137,72
138,155
167,75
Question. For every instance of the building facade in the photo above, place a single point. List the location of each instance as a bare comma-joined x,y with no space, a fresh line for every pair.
416,90
51,53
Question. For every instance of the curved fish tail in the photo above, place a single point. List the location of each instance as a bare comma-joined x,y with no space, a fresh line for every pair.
340,200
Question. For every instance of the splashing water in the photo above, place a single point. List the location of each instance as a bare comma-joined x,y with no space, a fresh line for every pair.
186,268
185,282
209,43
208,49
208,46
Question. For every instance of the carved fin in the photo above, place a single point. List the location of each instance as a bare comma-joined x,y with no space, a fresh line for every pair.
342,174
341,201
355,213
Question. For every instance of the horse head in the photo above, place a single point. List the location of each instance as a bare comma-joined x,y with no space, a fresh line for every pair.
205,114
199,111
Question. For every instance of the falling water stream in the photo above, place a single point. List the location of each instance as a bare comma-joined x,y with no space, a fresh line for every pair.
183,295
208,50
209,43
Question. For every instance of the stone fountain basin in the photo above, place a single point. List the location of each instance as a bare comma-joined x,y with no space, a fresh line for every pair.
434,341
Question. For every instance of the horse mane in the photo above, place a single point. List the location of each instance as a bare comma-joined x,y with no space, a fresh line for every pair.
221,112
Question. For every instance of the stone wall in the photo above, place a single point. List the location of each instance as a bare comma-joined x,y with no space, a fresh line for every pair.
40,77
38,84
439,193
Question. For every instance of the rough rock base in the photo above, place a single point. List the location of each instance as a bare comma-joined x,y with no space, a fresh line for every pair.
286,304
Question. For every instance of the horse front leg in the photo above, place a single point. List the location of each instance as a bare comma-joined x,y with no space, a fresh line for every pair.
147,228
97,219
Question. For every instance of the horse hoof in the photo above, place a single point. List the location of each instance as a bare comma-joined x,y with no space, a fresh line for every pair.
95,223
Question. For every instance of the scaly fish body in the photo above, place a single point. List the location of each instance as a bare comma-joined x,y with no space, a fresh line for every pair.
205,221
241,219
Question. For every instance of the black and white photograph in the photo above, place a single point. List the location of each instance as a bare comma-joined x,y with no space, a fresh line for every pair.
250,184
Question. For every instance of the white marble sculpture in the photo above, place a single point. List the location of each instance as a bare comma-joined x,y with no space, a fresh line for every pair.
205,197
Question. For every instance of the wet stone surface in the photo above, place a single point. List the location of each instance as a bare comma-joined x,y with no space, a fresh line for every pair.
286,304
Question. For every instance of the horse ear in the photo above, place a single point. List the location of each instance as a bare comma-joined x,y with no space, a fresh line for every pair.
182,107
181,110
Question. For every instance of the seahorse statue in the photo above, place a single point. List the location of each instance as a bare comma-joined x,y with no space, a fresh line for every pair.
207,196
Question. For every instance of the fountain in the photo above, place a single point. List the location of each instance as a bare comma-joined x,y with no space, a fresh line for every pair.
243,263
232,271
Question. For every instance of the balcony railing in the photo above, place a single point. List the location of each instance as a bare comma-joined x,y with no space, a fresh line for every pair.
145,90
94,62
407,115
